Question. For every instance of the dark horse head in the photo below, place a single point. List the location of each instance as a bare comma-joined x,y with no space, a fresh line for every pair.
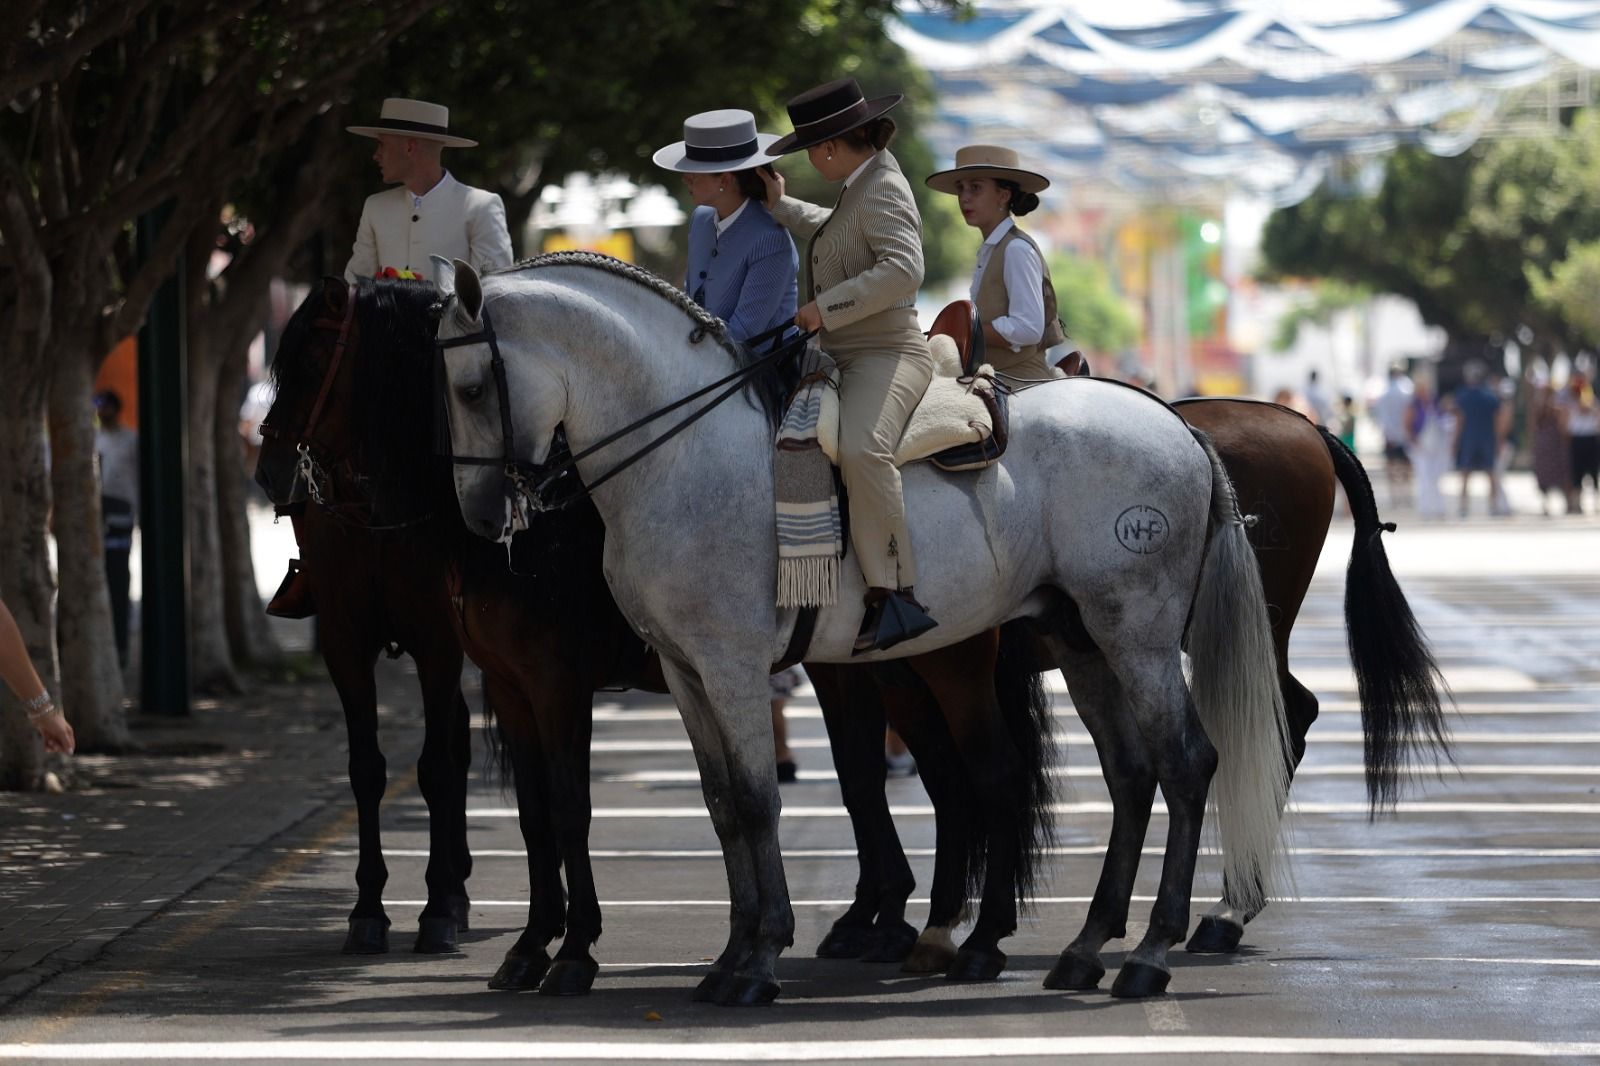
354,405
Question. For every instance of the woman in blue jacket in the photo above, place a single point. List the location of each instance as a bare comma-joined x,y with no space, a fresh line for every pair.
742,263
742,268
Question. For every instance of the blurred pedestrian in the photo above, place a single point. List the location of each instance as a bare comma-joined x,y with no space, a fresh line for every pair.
118,449
1389,411
1583,434
783,683
1430,429
1478,432
1318,408
23,680
1552,458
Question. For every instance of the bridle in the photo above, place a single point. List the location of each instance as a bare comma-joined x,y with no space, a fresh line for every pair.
527,486
313,454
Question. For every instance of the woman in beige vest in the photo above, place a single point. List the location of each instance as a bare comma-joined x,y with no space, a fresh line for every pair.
1011,284
863,265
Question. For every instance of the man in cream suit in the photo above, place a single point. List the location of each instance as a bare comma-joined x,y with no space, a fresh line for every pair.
429,212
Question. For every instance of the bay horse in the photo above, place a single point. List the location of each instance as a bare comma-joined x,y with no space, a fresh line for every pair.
380,587
548,634
1116,572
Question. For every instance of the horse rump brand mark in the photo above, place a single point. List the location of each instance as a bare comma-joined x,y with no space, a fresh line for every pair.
1142,530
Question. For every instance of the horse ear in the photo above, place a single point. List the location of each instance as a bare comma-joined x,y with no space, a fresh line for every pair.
469,290
335,291
444,274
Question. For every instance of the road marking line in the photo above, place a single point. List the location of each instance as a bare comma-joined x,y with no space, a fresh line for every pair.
1063,709
1165,1016
1075,1046
1082,807
1060,849
690,775
1277,902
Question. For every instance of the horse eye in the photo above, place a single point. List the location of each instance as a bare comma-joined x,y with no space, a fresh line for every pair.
471,393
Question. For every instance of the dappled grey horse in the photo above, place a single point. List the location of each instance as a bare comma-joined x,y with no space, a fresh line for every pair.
1116,555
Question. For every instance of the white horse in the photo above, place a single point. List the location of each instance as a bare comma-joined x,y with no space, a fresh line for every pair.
1106,550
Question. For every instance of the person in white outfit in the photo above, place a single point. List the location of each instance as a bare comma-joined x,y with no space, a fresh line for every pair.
1430,434
428,212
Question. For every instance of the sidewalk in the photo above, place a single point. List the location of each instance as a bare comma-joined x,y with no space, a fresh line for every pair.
139,831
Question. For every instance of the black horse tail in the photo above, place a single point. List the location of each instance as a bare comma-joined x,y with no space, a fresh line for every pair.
1402,691
1025,706
499,745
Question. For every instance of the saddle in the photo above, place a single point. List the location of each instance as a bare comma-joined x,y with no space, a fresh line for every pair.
961,421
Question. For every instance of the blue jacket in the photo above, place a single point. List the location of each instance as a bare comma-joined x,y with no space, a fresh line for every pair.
747,276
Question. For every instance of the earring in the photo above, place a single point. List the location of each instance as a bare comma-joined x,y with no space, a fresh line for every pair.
830,155
722,188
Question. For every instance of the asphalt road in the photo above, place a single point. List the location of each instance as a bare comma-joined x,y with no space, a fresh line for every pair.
1467,927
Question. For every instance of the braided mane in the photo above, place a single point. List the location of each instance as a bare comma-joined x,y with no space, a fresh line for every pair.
770,387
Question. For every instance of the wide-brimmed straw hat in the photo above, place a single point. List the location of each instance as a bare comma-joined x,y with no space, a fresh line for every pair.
715,141
987,161
827,111
414,118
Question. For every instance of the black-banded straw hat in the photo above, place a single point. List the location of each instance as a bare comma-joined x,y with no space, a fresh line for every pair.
715,141
829,110
414,118
987,161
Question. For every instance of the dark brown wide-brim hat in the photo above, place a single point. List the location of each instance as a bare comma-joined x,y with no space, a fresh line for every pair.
827,111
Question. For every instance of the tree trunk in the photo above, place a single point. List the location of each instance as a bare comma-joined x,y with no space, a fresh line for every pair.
210,656
91,678
249,636
25,578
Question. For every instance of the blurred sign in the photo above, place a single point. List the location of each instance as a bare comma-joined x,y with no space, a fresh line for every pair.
618,245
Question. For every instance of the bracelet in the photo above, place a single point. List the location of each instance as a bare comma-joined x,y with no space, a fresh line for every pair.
39,706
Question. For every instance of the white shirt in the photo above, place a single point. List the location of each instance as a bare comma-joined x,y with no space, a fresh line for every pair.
1023,323
119,463
858,171
1390,410
733,216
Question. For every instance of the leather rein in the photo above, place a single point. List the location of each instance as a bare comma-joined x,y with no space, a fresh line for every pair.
528,485
310,469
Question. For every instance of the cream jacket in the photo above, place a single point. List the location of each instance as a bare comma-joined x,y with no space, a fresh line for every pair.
865,255
456,221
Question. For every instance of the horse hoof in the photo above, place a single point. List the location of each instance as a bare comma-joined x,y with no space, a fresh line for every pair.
929,958
890,943
459,908
710,985
520,973
569,977
741,991
367,936
973,965
1139,980
1074,973
1215,936
844,942
436,936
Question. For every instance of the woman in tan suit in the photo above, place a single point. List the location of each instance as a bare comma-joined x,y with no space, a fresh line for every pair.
863,265
1010,284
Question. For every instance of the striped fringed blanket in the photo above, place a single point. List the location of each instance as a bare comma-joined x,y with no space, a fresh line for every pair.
810,536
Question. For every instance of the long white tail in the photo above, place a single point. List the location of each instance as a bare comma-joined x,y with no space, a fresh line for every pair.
1235,689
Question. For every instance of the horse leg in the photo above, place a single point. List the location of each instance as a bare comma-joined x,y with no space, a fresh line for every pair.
873,928
351,671
958,842
1221,928
962,679
1131,780
527,961
1185,760
716,785
566,722
441,776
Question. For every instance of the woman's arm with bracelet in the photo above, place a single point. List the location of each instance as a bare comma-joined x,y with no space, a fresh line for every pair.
20,676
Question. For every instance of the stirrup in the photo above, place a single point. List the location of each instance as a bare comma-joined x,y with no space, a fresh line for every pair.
293,598
891,618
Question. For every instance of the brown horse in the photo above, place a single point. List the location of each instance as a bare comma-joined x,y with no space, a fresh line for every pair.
379,589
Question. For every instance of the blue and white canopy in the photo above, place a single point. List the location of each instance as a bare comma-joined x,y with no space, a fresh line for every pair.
1159,96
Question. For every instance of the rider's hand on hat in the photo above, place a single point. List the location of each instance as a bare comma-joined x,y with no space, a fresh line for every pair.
774,183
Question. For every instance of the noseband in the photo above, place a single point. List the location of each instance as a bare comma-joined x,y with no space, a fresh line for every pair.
527,486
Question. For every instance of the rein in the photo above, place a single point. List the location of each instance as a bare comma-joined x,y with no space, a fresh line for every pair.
309,469
528,485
